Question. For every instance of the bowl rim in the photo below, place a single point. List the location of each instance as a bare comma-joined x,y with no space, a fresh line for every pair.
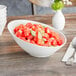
8,25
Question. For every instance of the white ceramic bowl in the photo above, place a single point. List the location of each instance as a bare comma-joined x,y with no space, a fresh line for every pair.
33,49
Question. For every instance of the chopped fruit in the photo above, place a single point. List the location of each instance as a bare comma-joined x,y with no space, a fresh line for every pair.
28,40
26,32
33,33
40,42
46,36
21,26
30,37
29,25
41,28
35,27
18,33
38,34
23,38
59,42
47,30
54,43
44,39
33,42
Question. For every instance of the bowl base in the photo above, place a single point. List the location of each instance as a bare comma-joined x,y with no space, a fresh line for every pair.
40,56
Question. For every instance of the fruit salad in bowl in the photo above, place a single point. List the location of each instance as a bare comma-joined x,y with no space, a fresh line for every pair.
37,39
38,34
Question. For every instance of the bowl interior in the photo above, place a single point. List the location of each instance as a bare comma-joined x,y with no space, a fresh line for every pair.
15,23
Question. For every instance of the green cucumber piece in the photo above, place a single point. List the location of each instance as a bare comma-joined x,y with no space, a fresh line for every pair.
44,39
33,33
39,35
44,26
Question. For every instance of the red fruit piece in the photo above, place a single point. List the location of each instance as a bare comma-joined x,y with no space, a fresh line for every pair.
30,37
58,39
29,25
59,42
21,26
55,35
46,44
26,32
35,27
40,42
16,29
35,39
28,40
41,27
32,41
46,36
47,30
18,33
52,41
22,38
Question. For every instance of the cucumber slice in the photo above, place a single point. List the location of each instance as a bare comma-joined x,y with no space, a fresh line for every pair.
44,39
33,33
39,35
44,26
41,31
43,42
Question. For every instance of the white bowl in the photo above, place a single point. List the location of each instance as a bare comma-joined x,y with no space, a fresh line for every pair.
32,49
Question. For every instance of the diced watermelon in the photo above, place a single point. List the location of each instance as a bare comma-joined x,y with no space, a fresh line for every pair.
35,27
22,38
59,42
52,41
30,37
40,42
27,32
47,30
29,25
21,26
18,33
46,36
38,35
32,41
